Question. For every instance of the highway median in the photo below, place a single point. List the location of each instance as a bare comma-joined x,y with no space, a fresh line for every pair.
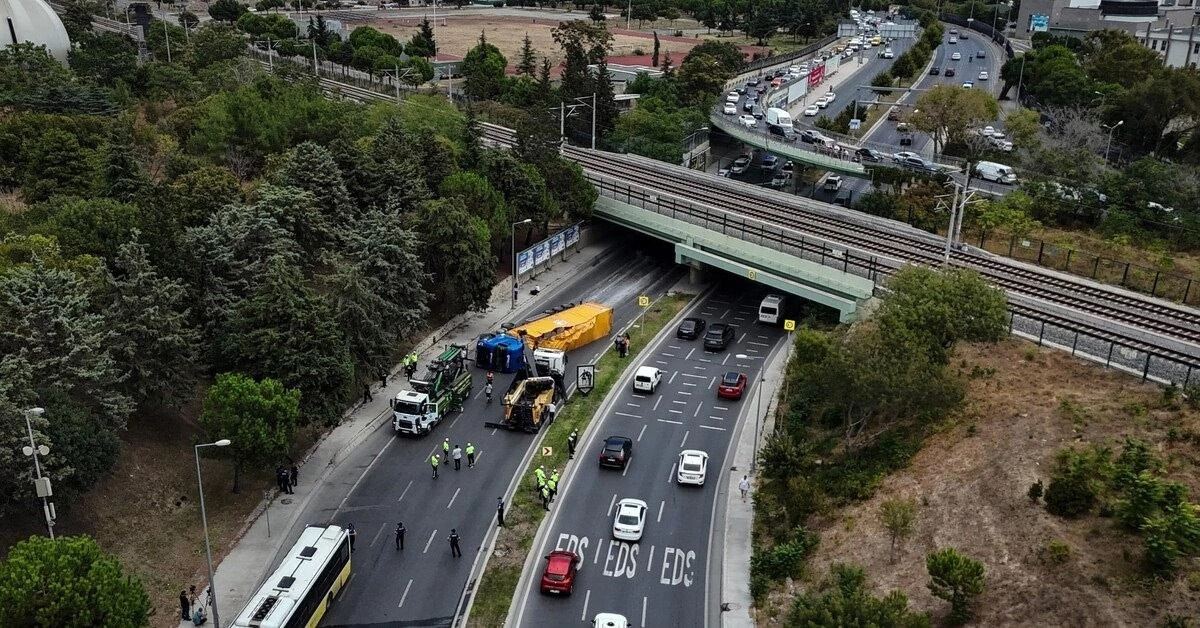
498,583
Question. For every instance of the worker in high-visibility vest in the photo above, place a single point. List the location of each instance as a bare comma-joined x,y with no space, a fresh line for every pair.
470,455
433,461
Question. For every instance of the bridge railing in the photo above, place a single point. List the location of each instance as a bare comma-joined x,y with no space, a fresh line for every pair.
744,228
793,150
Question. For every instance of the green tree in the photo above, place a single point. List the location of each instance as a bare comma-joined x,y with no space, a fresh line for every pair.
365,316
956,578
214,43
105,58
1172,536
68,581
898,516
25,67
258,417
844,600
198,194
654,55
312,168
422,43
457,253
121,176
570,191
188,20
527,65
947,112
56,164
96,226
226,10
152,342
761,24
385,247
483,69
596,14
484,200
943,307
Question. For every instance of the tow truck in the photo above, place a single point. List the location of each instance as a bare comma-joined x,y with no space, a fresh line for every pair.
442,390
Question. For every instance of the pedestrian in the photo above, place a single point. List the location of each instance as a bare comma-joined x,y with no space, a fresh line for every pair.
400,530
279,479
433,461
487,390
457,456
470,455
185,605
571,440
552,485
367,393
744,486
353,533
294,475
626,342
490,377
551,410
446,449
545,497
540,474
383,373
454,550
500,511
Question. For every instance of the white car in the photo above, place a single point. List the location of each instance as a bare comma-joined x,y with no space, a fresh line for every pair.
812,110
968,85
610,620
730,108
630,520
953,40
902,155
733,97
647,379
740,164
693,467
747,121
830,97
822,102
956,56
983,76
989,131
888,54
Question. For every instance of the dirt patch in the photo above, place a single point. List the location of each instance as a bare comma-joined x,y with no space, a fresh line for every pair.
970,481
458,35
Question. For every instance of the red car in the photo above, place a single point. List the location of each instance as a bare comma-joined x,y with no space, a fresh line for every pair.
733,385
559,576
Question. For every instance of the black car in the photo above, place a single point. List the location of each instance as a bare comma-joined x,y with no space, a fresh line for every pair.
718,337
617,451
753,82
690,328
783,132
934,71
748,106
948,72
868,154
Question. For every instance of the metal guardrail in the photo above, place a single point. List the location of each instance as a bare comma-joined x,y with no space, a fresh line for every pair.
755,68
789,150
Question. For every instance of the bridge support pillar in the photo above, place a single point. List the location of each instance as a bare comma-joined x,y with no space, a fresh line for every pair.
695,273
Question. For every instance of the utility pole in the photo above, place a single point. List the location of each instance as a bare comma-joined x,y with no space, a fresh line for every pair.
167,34
562,126
41,485
594,126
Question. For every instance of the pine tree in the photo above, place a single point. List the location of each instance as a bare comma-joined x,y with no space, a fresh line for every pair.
122,178
545,86
668,69
384,246
654,57
311,167
527,66
606,103
472,138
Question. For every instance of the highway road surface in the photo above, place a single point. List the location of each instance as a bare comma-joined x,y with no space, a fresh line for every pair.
662,580
387,479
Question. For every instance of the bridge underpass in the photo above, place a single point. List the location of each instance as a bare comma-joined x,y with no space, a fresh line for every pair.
699,243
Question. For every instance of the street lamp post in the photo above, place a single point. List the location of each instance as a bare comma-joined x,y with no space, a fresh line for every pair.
1110,134
212,587
513,242
42,486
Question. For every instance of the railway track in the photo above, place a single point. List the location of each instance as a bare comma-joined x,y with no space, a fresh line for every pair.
897,244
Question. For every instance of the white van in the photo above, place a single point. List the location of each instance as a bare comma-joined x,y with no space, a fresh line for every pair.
771,309
992,171
646,379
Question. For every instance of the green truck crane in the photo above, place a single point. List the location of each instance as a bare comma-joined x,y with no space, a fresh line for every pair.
442,390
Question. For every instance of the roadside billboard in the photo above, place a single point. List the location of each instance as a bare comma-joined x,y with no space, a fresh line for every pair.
816,75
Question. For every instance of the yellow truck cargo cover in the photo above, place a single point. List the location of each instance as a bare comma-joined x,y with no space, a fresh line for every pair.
569,329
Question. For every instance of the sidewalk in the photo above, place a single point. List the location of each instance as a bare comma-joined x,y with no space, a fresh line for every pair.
847,68
739,515
252,556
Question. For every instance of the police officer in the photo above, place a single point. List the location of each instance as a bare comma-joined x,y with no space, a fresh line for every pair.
540,474
353,534
571,440
552,486
433,461
457,456
454,550
470,455
545,497
446,449
500,511
400,530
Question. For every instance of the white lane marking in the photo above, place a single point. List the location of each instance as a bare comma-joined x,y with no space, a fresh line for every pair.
743,338
674,412
700,368
725,313
720,408
674,347
656,402
684,392
430,541
679,402
758,344
402,597
661,505
630,403
632,416
695,376
374,540
596,560
643,610
494,432
662,363
697,413
378,456
454,497
726,360
626,469
669,355
612,502
650,563
410,482
672,380
670,479
452,423
711,427
669,421
689,355
685,435
684,383
586,598
641,432
714,381
716,418
704,360
762,336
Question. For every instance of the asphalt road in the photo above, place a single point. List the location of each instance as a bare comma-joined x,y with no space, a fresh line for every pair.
387,479
663,579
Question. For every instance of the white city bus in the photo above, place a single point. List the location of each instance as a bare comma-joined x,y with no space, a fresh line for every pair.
300,591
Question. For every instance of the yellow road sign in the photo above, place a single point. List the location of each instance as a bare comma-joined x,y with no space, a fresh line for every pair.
752,274
789,324
643,301
547,451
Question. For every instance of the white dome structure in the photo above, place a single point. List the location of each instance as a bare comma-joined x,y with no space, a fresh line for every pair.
35,22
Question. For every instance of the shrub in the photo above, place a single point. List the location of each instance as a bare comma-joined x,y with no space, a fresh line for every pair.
1035,491
956,578
784,560
1056,552
1070,495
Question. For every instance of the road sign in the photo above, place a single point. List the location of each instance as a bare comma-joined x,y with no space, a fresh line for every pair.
855,124
789,324
752,274
547,451
585,377
643,301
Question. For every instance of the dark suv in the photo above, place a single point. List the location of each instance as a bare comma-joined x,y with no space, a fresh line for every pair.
690,328
719,337
617,451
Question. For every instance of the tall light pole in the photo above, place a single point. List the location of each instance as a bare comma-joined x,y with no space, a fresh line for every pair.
1110,134
513,242
41,485
758,412
212,587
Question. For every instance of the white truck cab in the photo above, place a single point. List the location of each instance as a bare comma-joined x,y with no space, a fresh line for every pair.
610,620
550,361
411,413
